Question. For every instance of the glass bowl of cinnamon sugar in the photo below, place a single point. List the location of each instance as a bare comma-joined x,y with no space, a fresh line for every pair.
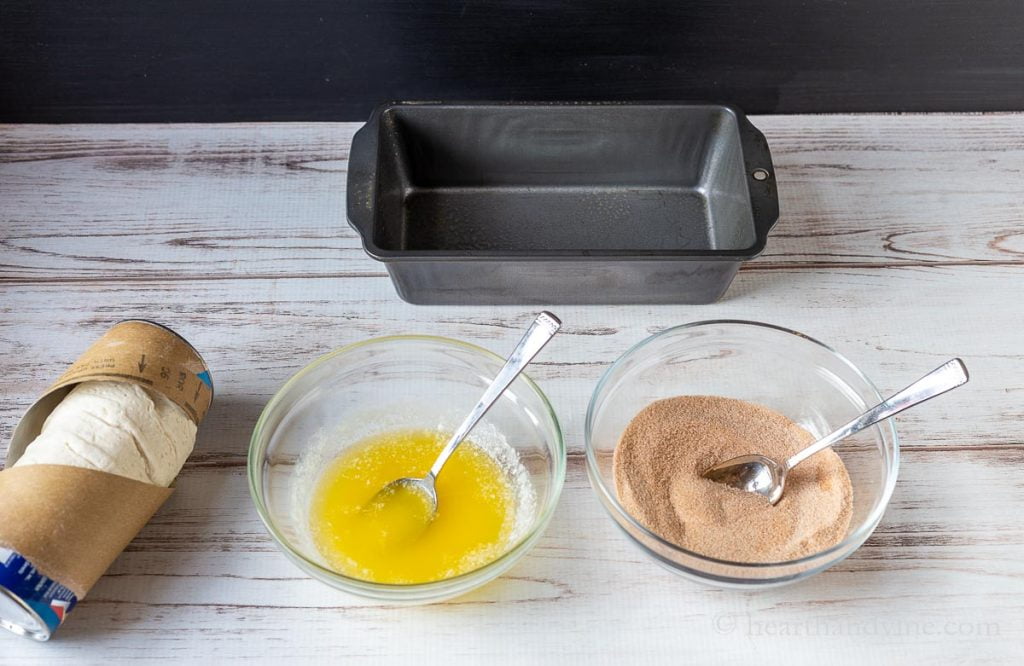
691,396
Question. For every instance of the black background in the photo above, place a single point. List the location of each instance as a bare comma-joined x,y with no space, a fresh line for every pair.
218,60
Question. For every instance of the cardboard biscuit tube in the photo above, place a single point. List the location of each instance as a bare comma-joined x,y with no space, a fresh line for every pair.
71,523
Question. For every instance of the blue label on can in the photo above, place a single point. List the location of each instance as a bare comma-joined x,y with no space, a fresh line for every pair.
50,600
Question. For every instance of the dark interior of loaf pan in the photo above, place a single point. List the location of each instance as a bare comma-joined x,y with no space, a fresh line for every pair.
583,178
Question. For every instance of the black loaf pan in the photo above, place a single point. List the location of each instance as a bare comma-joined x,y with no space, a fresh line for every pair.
493,203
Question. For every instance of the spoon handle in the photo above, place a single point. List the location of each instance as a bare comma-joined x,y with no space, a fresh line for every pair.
540,331
944,378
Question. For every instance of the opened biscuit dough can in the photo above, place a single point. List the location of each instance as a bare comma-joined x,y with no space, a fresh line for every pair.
61,526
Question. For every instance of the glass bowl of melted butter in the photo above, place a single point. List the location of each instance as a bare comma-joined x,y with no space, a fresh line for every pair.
364,415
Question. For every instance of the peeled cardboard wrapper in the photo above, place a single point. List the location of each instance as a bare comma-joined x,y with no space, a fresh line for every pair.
72,523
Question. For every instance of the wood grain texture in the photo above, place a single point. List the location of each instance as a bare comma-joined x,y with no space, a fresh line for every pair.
242,201
899,244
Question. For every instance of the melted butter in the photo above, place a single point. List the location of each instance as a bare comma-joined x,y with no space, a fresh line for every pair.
390,538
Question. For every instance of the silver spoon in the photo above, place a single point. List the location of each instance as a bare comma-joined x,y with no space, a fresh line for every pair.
541,330
762,475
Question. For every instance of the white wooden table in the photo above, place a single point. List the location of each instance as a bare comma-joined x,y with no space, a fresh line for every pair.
901,243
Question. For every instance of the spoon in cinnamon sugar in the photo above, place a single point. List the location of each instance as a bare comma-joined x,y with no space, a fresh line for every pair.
766,477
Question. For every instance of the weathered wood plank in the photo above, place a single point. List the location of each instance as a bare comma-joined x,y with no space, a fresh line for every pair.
242,200
256,333
940,575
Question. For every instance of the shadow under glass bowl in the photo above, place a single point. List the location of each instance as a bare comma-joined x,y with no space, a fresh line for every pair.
394,383
781,369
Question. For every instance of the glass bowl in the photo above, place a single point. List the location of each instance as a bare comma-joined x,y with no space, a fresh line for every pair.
781,369
385,384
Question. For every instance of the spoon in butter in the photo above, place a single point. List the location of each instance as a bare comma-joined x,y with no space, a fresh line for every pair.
418,496
766,477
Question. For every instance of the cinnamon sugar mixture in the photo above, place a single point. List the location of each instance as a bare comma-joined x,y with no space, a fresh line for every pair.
670,443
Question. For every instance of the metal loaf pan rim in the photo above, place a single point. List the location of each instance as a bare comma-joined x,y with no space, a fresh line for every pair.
362,176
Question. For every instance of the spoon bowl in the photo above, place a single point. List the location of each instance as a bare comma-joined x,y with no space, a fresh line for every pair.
420,488
406,506
754,473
